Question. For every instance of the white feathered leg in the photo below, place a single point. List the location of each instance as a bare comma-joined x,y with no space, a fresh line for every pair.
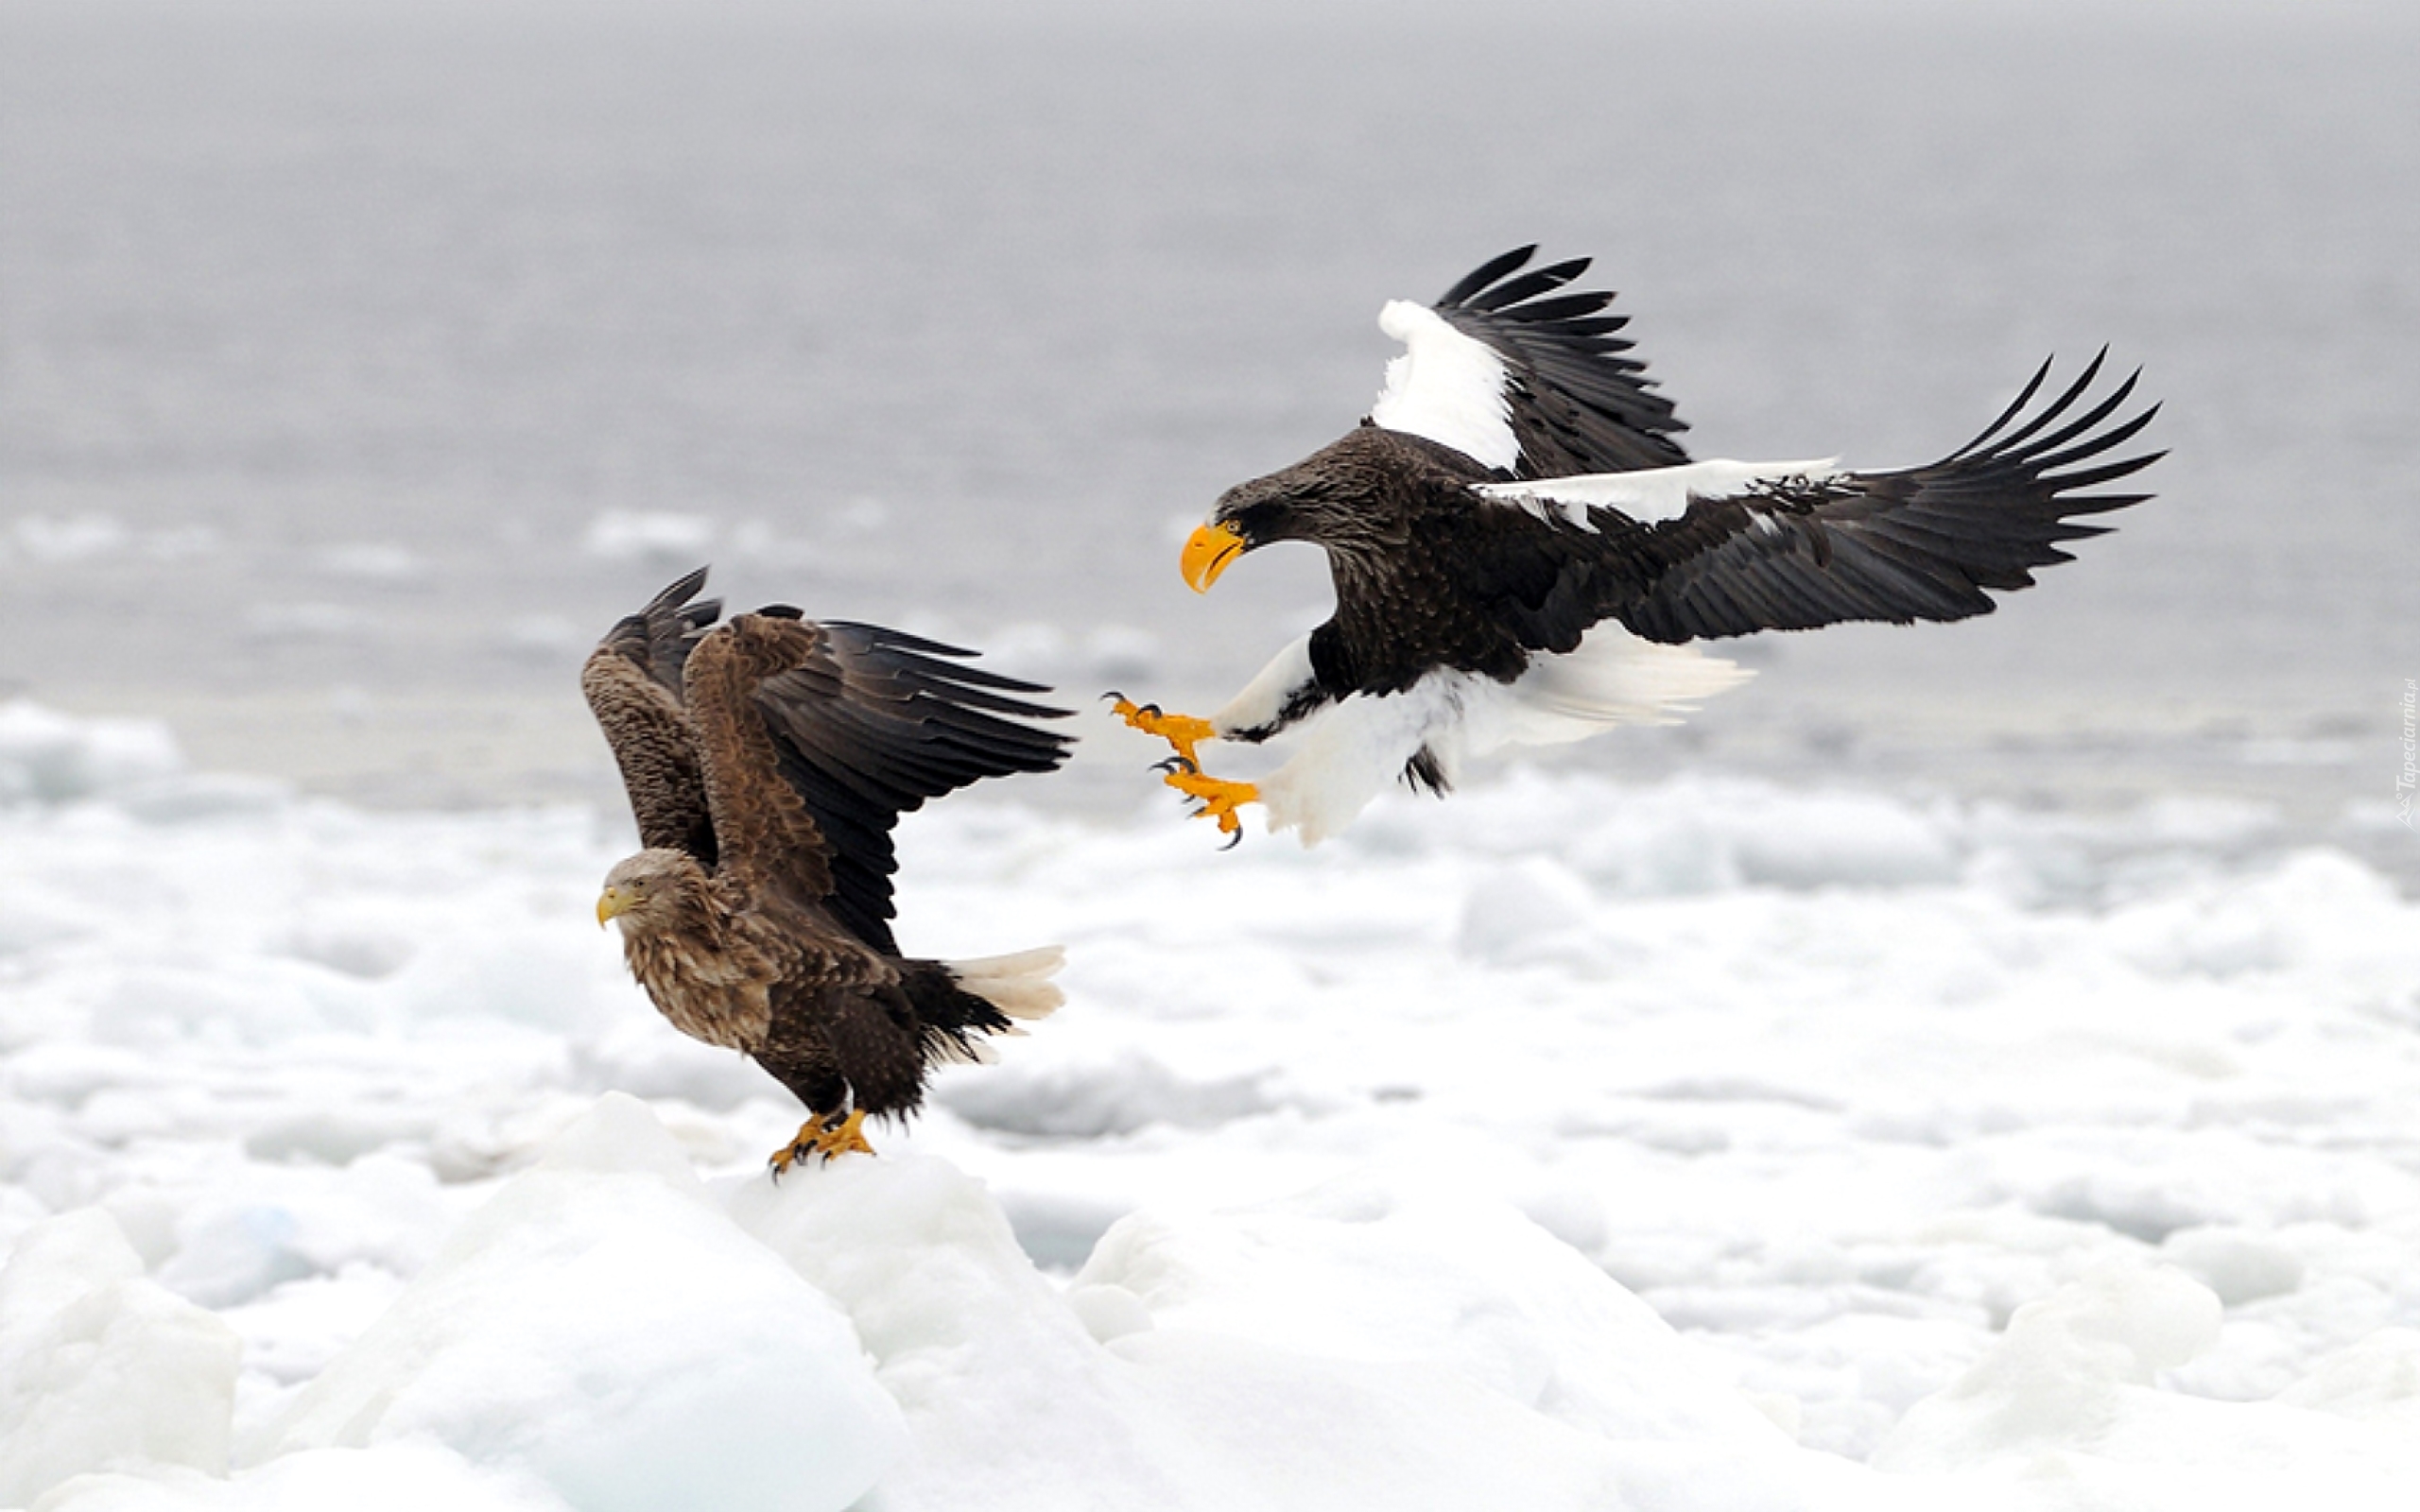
1350,751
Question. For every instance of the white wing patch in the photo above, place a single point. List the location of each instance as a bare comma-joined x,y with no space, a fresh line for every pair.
1653,493
1446,387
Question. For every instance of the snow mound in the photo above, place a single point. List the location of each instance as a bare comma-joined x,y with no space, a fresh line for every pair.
601,1325
1314,1357
100,1368
1385,1268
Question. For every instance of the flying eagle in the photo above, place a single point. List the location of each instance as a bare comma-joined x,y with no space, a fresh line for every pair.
767,761
1522,552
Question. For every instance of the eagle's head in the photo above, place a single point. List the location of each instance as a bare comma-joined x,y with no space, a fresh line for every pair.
1345,497
653,891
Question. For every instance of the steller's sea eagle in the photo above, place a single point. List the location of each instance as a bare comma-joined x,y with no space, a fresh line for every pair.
768,760
1522,551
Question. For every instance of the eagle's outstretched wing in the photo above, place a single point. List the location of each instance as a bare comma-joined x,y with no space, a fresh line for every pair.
780,751
1790,546
1523,378
1919,543
632,681
872,723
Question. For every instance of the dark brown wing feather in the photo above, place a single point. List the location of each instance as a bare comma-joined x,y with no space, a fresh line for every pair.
780,751
772,847
1921,544
1576,402
632,683
875,723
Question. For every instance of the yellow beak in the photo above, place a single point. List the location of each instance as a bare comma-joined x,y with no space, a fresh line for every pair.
614,902
1206,555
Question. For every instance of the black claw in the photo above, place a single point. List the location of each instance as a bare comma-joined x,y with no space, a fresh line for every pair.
1177,763
1233,839
1113,695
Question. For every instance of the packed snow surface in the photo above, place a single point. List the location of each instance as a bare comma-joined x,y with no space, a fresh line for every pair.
1570,1145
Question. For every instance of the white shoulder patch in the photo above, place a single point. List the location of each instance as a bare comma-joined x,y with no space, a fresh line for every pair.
1653,493
1446,387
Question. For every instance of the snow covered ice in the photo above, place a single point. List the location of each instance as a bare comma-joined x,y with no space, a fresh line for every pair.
1574,1144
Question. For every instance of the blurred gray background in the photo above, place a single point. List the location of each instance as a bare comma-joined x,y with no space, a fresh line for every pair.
360,361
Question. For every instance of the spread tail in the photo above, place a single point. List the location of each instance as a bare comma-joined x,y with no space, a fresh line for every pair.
960,1003
1018,984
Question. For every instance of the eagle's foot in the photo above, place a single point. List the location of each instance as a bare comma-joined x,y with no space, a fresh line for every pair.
1217,796
1182,731
823,1141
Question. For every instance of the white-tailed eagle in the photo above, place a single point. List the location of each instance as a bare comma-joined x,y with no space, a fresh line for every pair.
1522,553
768,760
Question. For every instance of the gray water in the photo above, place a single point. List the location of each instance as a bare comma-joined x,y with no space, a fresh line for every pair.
337,339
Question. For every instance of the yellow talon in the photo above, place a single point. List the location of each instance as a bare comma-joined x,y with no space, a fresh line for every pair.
1182,731
816,1138
844,1137
1219,797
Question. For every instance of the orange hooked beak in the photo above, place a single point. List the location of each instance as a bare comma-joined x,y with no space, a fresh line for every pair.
1207,553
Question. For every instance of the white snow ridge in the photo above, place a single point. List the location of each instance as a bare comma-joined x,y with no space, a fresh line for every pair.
1576,1145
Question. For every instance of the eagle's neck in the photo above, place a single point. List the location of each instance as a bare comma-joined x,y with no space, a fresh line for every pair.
703,972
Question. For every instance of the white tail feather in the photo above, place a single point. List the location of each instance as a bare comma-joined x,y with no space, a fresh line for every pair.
1613,677
1018,984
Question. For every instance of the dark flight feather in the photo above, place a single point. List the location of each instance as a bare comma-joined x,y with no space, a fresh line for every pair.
868,724
1919,543
1576,404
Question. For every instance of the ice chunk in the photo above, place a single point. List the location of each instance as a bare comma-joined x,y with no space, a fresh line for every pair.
46,757
99,1367
1387,1269
303,1220
2068,1394
553,980
2055,1378
602,1326
2238,1264
1067,1098
990,1365
1109,1312
1529,911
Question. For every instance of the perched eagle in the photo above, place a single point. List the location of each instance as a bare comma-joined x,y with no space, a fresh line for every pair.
1522,551
768,760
